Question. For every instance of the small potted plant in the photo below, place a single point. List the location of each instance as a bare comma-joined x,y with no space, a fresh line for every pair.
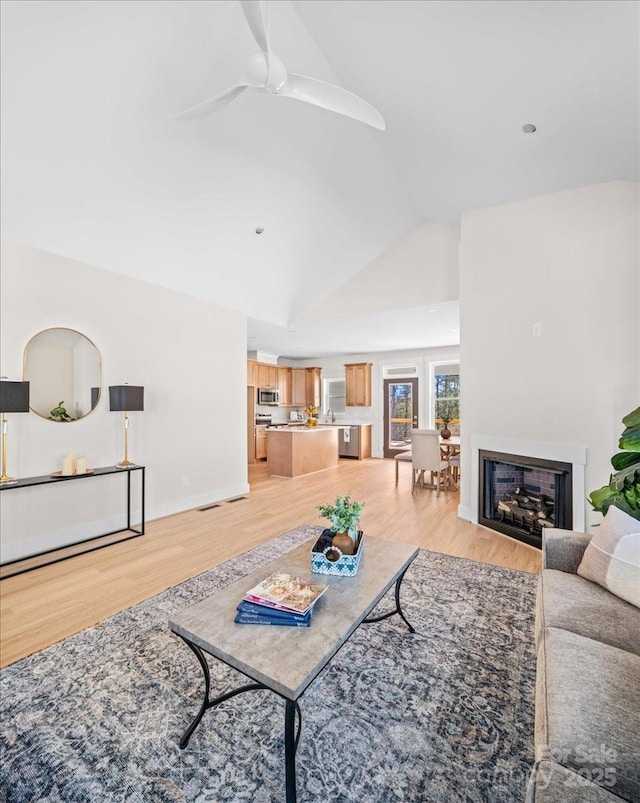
344,515
60,413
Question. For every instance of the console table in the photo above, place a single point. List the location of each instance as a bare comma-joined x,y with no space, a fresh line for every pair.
91,544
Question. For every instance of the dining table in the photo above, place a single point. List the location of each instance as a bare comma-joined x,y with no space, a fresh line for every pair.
449,447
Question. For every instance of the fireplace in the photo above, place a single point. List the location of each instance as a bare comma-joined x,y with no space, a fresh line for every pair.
521,496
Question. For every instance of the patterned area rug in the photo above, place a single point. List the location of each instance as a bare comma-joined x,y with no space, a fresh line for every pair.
442,715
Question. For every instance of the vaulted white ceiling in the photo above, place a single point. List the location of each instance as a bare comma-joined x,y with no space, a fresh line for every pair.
95,167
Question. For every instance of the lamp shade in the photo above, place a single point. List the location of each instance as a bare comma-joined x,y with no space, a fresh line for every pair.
126,398
14,397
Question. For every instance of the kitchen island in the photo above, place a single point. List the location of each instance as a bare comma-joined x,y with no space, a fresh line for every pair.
295,451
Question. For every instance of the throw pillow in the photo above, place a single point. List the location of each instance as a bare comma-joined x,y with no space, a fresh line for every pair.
612,558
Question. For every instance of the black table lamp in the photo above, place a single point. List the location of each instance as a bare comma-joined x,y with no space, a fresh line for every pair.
14,398
126,398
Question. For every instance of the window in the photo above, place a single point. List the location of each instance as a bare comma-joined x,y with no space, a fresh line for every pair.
446,395
335,395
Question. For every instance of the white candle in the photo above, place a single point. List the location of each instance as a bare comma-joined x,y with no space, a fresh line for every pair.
73,463
67,465
81,465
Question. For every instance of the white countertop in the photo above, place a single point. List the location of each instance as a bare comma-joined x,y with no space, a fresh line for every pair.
321,424
296,430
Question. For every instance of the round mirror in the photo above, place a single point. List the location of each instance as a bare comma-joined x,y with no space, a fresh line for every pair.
63,367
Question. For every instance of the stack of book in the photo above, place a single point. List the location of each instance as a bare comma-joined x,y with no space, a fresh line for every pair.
280,599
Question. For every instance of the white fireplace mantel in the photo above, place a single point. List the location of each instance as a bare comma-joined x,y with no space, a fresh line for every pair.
561,452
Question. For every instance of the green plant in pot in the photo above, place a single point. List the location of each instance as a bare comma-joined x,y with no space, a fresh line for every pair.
623,490
344,515
60,413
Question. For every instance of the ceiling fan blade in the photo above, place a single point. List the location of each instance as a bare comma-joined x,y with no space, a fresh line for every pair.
256,13
333,98
213,104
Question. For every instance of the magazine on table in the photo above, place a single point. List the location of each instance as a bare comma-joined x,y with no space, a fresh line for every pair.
283,592
269,616
252,609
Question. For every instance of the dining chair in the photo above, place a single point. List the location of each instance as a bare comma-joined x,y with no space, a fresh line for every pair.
454,466
425,456
401,457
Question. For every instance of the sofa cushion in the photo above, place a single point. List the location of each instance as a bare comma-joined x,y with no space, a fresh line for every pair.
587,715
573,603
550,781
563,549
612,558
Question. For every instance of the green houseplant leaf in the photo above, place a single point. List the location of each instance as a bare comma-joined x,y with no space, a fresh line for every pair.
630,439
623,489
625,459
60,413
633,419
343,514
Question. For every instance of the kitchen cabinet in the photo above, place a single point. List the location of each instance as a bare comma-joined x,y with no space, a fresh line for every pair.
251,372
294,452
298,387
261,443
305,387
358,384
284,386
314,393
267,375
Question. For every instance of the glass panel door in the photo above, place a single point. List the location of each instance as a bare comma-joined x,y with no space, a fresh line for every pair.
400,414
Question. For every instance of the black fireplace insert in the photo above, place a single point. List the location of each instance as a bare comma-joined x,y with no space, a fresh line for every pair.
520,496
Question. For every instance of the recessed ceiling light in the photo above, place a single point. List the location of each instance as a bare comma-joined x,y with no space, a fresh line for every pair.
529,128
259,230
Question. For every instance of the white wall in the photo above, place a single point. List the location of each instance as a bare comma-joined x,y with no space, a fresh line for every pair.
419,268
569,262
190,356
333,368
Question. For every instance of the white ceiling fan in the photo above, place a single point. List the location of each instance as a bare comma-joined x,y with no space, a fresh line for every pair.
267,73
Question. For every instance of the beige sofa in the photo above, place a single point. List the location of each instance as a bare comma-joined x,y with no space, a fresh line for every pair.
587,723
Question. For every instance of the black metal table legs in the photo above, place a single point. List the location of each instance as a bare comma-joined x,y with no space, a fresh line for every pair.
206,702
397,609
292,711
291,739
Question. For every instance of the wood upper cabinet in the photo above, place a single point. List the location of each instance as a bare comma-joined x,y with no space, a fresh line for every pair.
266,375
358,384
251,372
284,385
314,394
261,375
299,387
305,387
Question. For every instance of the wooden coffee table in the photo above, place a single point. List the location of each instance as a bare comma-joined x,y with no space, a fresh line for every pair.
287,659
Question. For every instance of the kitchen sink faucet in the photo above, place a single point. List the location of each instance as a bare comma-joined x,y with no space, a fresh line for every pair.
333,415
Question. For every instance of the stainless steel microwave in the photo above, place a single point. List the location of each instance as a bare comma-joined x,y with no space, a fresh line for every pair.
268,396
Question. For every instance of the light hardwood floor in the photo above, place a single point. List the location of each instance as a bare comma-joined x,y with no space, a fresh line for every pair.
46,605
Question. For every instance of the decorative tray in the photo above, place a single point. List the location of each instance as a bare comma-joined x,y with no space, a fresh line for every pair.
60,474
345,566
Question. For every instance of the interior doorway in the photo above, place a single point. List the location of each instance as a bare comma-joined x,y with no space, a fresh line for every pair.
400,414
